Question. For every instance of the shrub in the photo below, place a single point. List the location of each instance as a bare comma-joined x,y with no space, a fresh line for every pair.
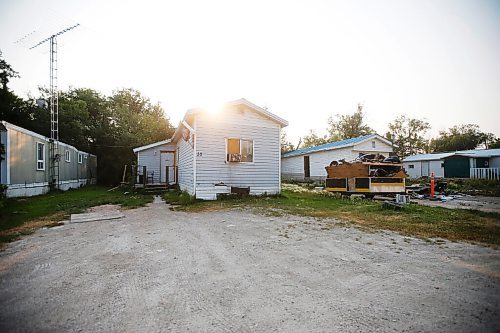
3,195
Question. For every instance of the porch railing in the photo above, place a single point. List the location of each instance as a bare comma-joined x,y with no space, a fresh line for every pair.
485,173
140,175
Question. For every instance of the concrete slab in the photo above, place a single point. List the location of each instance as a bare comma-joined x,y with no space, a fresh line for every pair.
91,217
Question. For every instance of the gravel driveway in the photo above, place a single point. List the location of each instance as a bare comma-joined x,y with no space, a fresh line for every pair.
156,270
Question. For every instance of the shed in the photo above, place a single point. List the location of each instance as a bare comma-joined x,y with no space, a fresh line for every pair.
159,159
475,163
310,163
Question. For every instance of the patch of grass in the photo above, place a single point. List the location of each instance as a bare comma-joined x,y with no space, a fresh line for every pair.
24,215
414,220
181,198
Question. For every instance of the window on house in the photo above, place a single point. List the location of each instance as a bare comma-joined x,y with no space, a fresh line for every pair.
442,165
80,158
411,166
67,156
239,150
373,144
40,156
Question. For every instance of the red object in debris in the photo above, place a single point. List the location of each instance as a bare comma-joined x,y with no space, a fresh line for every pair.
432,185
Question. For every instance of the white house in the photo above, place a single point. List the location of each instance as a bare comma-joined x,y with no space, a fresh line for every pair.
215,153
310,163
476,163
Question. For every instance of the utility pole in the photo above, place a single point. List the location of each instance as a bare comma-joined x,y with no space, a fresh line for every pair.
54,155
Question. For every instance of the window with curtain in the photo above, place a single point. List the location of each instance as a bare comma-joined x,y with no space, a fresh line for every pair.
239,150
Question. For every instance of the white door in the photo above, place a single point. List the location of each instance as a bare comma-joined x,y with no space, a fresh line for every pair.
167,159
425,169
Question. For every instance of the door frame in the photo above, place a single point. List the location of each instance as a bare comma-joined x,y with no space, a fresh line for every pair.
427,168
162,171
307,167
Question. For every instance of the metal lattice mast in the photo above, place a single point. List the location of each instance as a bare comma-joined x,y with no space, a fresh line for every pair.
54,155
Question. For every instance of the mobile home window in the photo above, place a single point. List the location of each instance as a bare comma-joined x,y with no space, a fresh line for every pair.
40,156
80,158
67,156
411,166
239,150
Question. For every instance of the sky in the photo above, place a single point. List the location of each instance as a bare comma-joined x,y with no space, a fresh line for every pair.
437,60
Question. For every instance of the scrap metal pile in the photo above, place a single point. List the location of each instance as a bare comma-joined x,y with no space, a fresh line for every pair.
369,174
368,165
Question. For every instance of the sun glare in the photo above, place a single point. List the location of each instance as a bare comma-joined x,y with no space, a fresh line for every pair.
213,108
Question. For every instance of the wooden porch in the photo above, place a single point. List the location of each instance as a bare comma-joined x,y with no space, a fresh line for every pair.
139,177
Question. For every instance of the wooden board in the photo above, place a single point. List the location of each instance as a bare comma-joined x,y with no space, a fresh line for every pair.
347,170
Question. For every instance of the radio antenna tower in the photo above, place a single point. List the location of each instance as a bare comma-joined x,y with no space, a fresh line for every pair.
54,155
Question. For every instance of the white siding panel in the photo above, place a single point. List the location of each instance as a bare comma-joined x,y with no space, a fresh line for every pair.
322,159
151,159
262,175
435,166
495,162
380,147
292,167
416,171
185,165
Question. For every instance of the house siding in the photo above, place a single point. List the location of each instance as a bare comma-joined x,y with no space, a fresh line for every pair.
293,166
262,175
26,180
151,159
495,162
416,171
185,161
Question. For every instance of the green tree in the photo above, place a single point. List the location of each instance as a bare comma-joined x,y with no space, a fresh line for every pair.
6,73
286,145
407,134
343,127
495,144
461,137
312,139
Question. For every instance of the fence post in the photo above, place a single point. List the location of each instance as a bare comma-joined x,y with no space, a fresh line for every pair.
144,176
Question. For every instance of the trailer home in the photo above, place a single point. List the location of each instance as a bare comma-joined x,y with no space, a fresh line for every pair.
236,149
24,163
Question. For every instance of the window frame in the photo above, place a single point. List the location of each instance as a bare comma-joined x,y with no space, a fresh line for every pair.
411,166
80,158
373,144
240,139
38,161
67,155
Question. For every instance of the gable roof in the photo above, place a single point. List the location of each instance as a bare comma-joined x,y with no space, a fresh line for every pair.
486,153
245,102
242,101
159,143
336,145
5,126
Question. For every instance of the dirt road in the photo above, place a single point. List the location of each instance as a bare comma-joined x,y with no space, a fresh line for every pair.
158,271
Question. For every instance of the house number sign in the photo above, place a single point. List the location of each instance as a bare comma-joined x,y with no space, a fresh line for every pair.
199,154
